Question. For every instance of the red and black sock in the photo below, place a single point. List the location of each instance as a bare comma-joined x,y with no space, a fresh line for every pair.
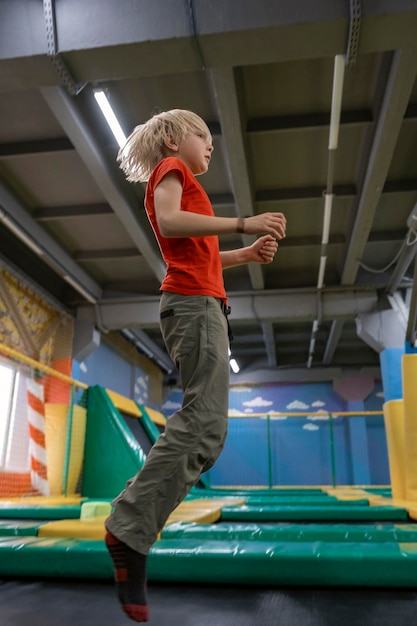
130,577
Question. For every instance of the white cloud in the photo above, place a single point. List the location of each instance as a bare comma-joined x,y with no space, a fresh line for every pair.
248,410
83,367
258,401
239,389
310,427
318,403
142,381
380,394
171,406
235,413
297,405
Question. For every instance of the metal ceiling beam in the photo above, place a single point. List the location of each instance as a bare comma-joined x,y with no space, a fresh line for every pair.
295,306
400,83
302,122
47,248
151,349
228,99
100,255
269,339
41,146
49,214
119,196
303,193
332,341
411,330
301,375
152,37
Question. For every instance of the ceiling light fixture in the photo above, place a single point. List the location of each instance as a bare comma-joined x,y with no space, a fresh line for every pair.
21,234
338,78
110,116
234,365
79,288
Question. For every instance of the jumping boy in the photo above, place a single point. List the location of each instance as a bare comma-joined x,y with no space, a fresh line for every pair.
168,152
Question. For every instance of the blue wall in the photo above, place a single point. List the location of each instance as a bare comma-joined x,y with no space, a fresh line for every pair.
278,450
282,450
108,368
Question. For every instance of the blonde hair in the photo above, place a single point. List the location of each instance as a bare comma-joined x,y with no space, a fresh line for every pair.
144,148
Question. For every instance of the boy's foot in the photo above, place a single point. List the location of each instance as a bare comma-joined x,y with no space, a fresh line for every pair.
130,577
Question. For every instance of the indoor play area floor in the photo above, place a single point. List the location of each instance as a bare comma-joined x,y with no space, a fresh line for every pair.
93,603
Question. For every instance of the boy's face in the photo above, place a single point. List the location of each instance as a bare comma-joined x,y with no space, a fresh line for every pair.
195,151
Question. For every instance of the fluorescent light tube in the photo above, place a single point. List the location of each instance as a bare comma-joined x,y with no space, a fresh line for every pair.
322,268
110,116
338,77
80,289
328,200
16,230
234,365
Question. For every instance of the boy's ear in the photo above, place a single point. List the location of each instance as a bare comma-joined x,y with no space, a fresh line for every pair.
171,144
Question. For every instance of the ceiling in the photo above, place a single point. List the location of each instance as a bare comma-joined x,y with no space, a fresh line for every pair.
261,74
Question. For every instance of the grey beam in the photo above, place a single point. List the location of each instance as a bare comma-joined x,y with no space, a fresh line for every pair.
288,306
400,83
98,41
300,375
304,121
40,146
47,248
269,339
332,341
411,330
113,253
228,99
49,214
118,196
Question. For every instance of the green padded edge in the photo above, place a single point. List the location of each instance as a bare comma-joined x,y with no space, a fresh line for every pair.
294,563
247,562
38,511
55,557
406,533
281,513
213,492
112,454
14,528
150,427
304,501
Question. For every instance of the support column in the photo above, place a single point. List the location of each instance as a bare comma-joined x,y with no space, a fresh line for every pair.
354,391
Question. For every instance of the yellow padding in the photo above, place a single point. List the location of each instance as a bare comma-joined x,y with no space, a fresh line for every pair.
43,500
395,432
399,502
412,512
201,510
56,427
158,418
346,493
409,370
126,405
92,528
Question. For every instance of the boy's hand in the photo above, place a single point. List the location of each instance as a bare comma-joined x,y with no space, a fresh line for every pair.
266,223
263,250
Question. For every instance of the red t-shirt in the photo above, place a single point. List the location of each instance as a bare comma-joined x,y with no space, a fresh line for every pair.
193,263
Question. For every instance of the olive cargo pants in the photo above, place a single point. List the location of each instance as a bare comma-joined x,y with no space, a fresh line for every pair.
195,332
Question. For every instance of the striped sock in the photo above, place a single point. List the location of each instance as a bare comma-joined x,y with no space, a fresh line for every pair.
130,577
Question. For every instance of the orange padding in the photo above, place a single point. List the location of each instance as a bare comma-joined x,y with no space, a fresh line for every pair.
15,484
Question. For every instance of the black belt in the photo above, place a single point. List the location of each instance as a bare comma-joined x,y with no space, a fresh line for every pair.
226,310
